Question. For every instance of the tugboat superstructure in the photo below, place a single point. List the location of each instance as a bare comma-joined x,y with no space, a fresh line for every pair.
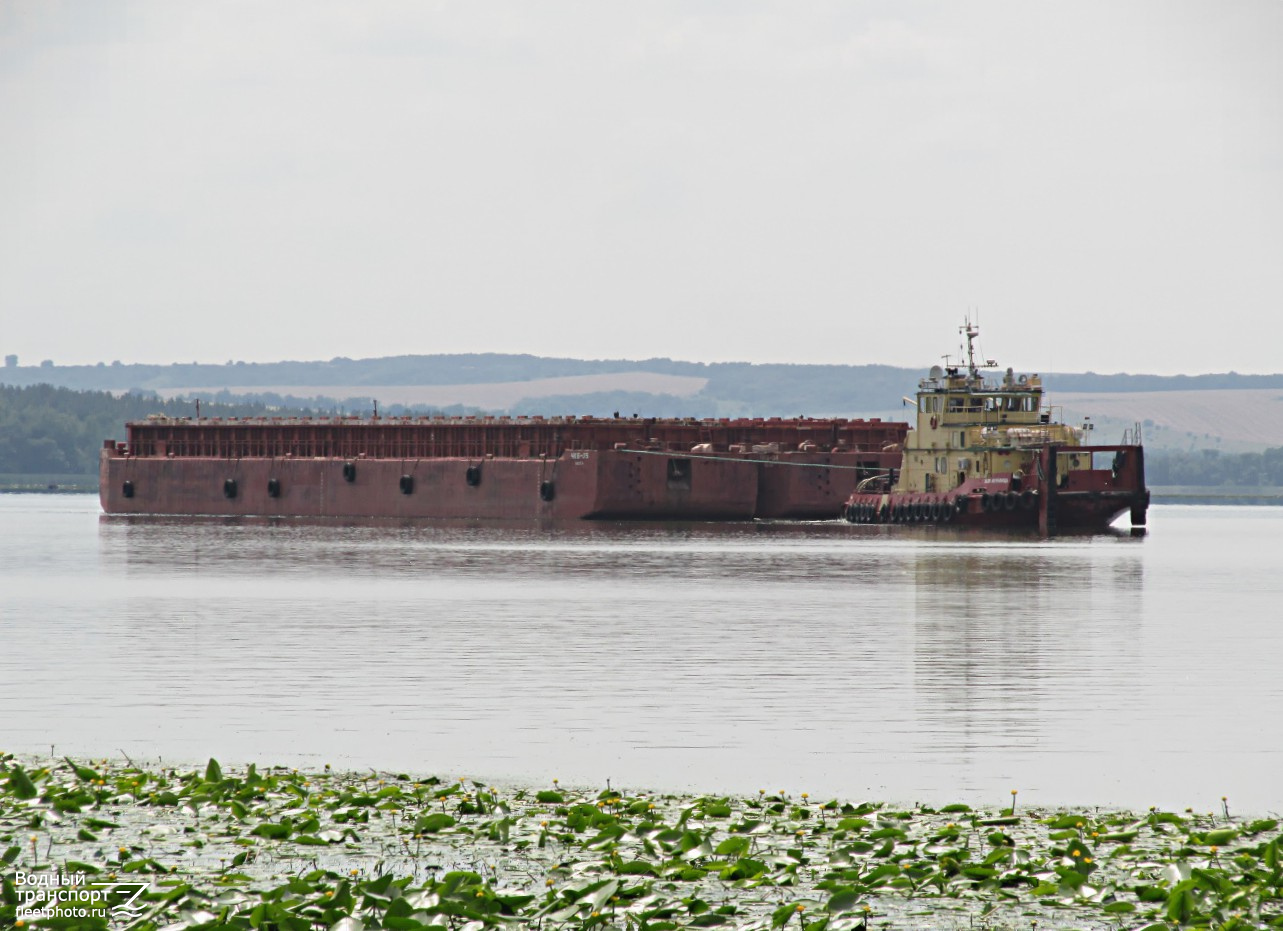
987,452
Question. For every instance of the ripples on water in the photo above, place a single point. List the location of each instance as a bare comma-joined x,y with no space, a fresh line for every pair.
909,664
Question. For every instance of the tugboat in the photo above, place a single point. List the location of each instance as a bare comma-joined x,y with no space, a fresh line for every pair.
986,453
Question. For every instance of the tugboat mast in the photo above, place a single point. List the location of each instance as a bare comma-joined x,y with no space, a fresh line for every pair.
971,331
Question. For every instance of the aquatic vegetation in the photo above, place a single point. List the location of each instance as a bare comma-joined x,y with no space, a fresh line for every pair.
283,849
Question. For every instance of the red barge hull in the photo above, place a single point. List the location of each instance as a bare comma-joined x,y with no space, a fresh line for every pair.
496,468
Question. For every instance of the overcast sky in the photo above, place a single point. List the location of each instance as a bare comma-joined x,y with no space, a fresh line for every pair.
792,182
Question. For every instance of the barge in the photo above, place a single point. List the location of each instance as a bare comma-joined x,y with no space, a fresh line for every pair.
496,468
986,452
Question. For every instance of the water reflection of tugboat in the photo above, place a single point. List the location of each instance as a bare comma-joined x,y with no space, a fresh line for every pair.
985,453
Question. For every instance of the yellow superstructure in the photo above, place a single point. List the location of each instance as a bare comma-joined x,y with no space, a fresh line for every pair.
970,426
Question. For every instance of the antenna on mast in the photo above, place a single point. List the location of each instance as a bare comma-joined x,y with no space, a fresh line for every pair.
971,331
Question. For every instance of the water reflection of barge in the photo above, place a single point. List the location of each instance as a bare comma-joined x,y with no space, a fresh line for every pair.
986,453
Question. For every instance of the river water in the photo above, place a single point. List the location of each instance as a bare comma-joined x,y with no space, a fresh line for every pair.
905,664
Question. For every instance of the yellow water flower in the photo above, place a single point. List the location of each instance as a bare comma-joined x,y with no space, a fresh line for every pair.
801,908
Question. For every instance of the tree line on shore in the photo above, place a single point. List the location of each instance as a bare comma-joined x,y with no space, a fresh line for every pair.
58,431
49,430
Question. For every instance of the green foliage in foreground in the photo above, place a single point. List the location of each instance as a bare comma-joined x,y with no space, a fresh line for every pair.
286,851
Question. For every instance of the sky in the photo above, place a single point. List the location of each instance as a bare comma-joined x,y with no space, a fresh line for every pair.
1100,183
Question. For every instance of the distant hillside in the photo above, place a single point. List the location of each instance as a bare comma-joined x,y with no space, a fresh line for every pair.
1225,411
57,432
752,388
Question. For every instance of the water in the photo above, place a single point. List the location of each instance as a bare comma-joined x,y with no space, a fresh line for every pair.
907,664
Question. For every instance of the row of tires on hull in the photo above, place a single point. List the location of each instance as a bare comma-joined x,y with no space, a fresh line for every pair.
936,510
231,487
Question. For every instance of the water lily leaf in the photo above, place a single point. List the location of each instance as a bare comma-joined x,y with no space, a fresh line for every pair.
1067,821
843,902
601,895
732,847
635,868
213,772
272,830
431,824
1219,837
549,797
84,773
20,783
854,824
